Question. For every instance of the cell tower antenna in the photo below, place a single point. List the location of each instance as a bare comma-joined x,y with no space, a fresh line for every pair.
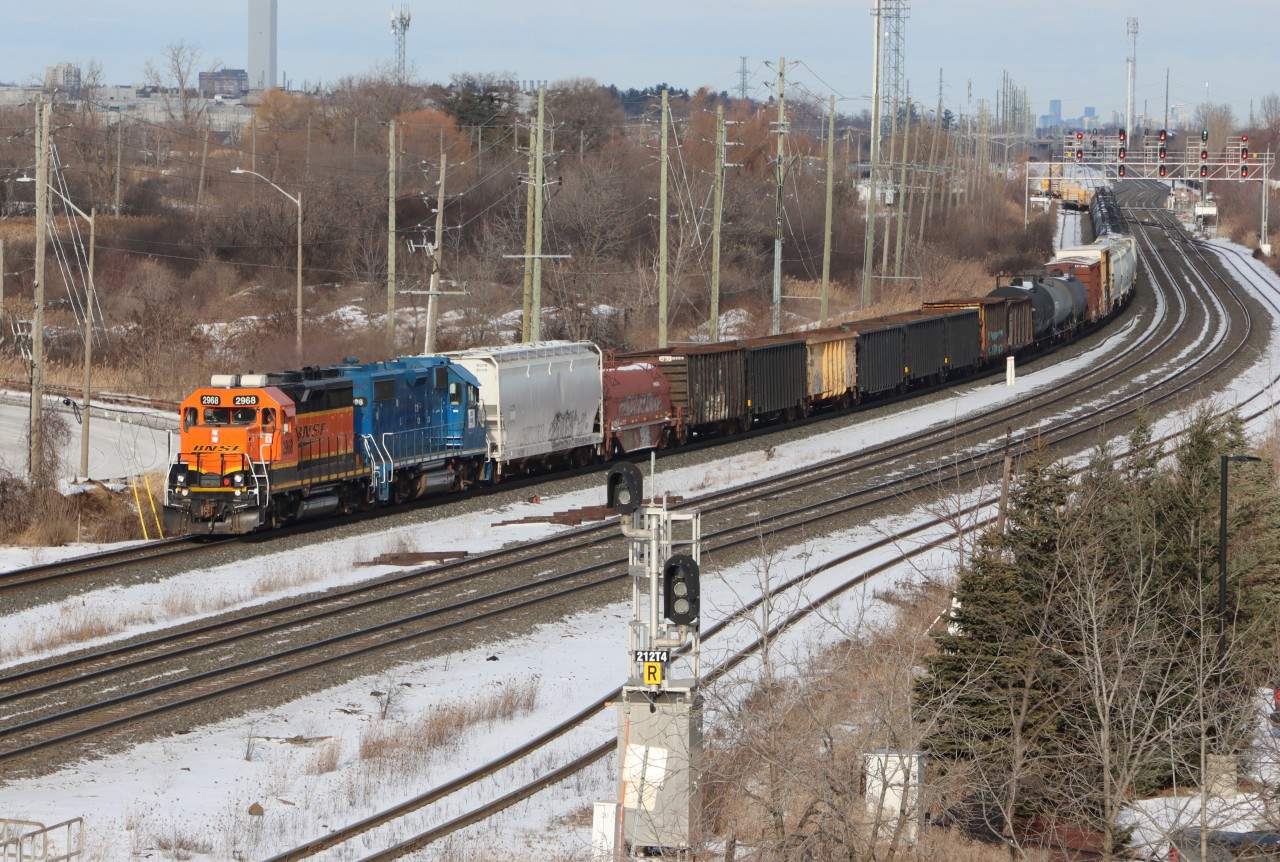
1131,27
399,29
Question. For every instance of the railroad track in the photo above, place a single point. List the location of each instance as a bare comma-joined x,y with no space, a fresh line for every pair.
1185,368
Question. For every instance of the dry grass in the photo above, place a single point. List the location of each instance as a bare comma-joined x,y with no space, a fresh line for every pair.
443,726
325,758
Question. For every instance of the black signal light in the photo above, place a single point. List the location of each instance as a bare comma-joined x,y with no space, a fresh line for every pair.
680,600
624,488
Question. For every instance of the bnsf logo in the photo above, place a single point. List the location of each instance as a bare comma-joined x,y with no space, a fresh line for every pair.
222,448
308,431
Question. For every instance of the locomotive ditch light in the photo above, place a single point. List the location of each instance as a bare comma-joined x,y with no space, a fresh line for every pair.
680,599
624,488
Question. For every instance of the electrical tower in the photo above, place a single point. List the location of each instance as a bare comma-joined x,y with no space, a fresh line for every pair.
894,14
742,78
399,29
1131,28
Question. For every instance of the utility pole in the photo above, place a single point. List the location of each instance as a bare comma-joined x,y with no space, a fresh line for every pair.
539,179
826,234
717,218
119,153
868,249
204,157
893,139
662,227
433,295
88,347
902,191
391,236
528,245
1,289
778,211
35,457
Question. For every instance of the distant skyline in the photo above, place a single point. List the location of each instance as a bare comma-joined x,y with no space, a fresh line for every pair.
1073,52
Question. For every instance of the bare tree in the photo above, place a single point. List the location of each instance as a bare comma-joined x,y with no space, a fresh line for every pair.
177,76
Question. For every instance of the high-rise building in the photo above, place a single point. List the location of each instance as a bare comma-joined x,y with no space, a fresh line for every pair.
64,77
224,82
1055,110
262,44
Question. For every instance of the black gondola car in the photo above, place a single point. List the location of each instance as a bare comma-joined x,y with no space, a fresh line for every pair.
776,383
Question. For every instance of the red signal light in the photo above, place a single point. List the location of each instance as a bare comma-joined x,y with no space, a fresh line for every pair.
1121,154
1122,136
1162,170
1204,155
1079,155
1120,171
1204,170
1164,136
1079,136
1162,153
1244,171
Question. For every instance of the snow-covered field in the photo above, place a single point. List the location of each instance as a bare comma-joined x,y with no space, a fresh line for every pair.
300,764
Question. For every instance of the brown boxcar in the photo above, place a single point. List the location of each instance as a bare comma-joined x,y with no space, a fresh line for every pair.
776,376
925,344
708,385
1087,266
831,366
637,407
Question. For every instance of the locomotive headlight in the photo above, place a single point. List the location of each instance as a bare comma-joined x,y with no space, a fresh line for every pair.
181,478
239,479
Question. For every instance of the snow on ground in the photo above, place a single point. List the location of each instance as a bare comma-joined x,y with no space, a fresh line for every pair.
301,762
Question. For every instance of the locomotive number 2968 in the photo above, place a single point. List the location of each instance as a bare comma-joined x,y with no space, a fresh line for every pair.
210,400
244,400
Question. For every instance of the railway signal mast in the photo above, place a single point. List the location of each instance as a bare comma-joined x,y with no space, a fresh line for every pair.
659,715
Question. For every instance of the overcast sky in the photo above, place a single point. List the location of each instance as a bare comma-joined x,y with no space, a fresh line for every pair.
1073,50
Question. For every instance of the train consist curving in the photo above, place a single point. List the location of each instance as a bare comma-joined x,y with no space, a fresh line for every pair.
258,450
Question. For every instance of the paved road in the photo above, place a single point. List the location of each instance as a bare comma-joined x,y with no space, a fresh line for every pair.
121,442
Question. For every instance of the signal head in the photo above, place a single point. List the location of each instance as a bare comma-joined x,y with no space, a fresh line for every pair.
1120,171
1079,136
1122,136
1163,153
1079,154
1204,135
1244,171
680,601
1121,153
1204,155
624,488
1163,170
1204,170
1164,136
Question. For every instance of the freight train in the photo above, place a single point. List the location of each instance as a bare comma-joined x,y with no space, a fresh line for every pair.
259,450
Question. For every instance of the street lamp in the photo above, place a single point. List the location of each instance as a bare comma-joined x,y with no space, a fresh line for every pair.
297,201
1222,562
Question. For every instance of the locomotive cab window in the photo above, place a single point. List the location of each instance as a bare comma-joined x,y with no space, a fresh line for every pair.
268,419
243,416
217,416
190,416
455,394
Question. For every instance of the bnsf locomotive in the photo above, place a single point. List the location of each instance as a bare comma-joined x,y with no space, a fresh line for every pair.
258,450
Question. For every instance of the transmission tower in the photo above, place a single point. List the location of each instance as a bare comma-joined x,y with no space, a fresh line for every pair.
1131,27
742,78
894,14
399,29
